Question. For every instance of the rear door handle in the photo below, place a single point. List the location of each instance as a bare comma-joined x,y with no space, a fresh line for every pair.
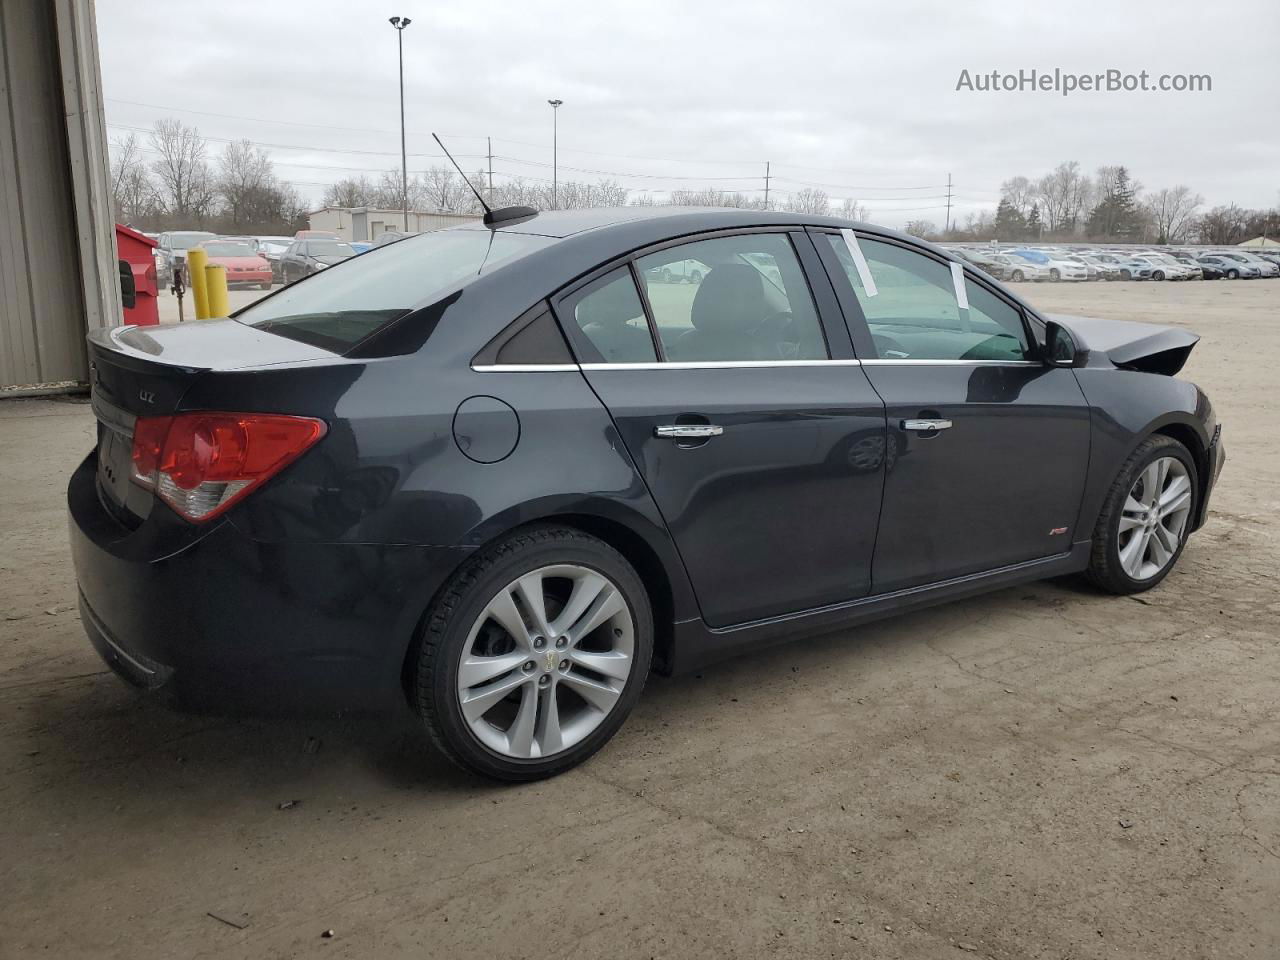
926,424
687,431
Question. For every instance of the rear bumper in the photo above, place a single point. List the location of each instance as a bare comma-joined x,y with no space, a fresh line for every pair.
218,621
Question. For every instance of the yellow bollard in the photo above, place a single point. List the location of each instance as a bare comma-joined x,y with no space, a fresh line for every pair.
215,281
197,260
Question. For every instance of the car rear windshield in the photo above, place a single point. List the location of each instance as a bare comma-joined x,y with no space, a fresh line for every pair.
185,241
338,307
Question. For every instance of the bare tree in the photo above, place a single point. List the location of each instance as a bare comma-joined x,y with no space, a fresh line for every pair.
133,194
810,200
853,210
1021,194
350,192
924,229
185,183
1172,212
1223,225
1062,195
714,197
246,183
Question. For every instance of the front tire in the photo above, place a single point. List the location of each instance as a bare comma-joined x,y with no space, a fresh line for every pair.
534,654
1144,522
1017,275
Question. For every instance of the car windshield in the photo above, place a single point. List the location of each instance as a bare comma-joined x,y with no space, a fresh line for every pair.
329,248
227,249
185,241
337,308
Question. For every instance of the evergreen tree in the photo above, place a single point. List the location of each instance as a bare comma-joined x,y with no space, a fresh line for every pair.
1033,223
1009,223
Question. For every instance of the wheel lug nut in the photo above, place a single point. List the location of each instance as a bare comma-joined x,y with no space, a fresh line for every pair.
561,643
530,666
564,666
543,680
539,643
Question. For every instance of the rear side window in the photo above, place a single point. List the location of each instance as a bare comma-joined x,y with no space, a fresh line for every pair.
340,306
612,319
732,299
913,312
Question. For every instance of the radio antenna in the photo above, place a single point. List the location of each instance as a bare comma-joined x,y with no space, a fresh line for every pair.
500,215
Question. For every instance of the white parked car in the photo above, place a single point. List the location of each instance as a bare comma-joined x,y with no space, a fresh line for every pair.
1165,267
1057,268
1020,268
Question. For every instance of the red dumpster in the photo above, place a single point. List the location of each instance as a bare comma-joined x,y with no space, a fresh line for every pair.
136,250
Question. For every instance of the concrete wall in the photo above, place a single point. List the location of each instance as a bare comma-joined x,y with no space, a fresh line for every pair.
56,240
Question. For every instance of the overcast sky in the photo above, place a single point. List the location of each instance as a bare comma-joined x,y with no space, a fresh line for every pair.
859,98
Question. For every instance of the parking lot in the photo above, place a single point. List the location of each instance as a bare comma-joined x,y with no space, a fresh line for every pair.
1040,772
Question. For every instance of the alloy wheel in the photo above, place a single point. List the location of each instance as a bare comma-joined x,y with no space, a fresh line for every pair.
546,661
1154,518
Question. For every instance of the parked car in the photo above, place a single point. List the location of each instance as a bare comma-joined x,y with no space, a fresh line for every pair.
481,470
316,235
1020,268
1234,268
1000,269
391,236
272,249
1266,268
1210,269
1057,268
1092,270
1108,271
360,246
305,257
1164,267
1129,267
244,266
172,247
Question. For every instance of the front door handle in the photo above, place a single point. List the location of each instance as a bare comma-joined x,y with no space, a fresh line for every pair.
687,431
923,425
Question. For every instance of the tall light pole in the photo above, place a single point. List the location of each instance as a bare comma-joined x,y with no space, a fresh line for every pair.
555,176
400,23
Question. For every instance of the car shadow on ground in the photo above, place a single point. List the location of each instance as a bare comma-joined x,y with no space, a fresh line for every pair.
94,737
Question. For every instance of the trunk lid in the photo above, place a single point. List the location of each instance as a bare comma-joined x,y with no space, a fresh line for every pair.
145,371
1147,347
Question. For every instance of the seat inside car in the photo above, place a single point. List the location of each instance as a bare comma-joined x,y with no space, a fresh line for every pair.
609,320
733,319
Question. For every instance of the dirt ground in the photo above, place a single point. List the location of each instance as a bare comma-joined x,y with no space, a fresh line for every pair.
1041,772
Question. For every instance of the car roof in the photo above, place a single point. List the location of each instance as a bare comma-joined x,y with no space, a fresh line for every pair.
568,223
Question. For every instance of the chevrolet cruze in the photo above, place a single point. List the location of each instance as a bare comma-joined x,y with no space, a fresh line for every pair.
504,470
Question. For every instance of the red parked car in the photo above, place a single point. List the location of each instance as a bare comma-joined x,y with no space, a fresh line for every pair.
244,266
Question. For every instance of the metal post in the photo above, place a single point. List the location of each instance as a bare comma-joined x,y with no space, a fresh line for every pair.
555,161
947,228
490,142
766,184
400,23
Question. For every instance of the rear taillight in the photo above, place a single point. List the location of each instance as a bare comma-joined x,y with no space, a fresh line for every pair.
202,463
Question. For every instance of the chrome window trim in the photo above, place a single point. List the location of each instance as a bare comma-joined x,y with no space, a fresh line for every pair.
970,363
526,368
719,364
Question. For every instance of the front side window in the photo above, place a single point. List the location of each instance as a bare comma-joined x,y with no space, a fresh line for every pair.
913,312
339,307
732,299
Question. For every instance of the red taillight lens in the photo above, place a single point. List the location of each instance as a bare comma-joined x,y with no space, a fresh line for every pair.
201,463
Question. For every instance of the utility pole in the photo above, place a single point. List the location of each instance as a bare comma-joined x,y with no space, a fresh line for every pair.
555,163
766,184
490,142
400,23
947,228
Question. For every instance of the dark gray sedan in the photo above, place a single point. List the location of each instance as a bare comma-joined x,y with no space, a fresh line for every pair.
500,472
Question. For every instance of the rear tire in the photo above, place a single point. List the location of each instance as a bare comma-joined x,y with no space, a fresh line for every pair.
1158,275
1233,274
1118,563
1017,275
1054,274
466,627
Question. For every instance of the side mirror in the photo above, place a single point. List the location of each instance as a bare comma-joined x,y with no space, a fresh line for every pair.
1061,348
128,286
